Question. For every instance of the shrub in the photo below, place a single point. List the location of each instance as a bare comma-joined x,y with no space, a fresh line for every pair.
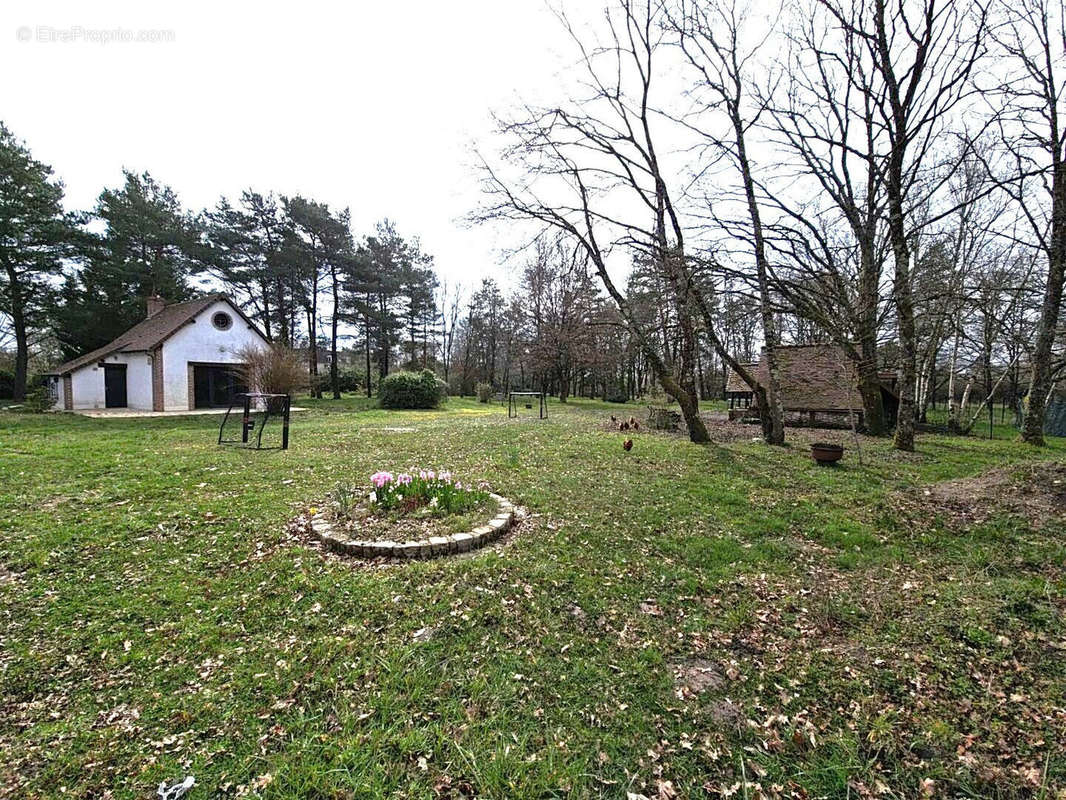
274,369
7,383
484,392
351,380
410,390
38,399
319,384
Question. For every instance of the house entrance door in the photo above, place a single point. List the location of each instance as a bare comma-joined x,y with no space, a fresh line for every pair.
115,385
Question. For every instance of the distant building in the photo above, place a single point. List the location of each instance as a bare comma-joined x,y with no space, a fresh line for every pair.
183,356
323,355
815,379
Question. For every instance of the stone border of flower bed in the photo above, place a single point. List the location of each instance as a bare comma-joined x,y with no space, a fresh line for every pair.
434,546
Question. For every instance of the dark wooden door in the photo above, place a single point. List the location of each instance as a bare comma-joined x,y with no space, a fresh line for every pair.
115,385
215,386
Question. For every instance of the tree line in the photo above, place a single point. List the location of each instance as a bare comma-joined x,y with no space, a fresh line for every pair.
74,281
712,180
885,175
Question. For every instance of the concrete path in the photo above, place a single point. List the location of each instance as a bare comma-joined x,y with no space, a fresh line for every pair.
124,413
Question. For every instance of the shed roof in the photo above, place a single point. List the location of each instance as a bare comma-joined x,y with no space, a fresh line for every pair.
735,384
817,377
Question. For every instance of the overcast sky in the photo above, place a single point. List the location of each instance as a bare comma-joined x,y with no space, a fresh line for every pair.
359,104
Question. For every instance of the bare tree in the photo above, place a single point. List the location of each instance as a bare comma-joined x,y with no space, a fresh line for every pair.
924,62
710,34
1031,34
557,301
592,171
450,301
829,193
884,79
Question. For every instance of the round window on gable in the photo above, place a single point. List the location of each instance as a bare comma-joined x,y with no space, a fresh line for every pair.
222,320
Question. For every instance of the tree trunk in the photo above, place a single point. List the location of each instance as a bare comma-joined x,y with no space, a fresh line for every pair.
1040,382
904,438
334,378
873,408
771,412
18,323
366,335
873,404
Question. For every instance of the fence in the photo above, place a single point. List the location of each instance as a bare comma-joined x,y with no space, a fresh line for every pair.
1054,417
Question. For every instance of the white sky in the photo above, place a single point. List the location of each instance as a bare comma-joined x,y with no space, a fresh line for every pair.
370,105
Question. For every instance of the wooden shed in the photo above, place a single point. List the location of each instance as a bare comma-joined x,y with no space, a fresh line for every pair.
816,379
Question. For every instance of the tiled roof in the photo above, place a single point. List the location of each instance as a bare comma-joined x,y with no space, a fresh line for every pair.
146,334
818,377
734,383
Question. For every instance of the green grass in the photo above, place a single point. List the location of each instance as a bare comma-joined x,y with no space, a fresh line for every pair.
158,617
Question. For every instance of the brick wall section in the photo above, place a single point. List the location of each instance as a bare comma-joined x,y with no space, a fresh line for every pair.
68,393
157,379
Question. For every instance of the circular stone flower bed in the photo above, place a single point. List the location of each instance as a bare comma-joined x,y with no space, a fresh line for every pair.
415,514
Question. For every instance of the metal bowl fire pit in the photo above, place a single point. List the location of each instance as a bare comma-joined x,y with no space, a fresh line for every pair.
826,453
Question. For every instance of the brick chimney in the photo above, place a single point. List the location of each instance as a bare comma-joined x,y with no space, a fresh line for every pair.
155,305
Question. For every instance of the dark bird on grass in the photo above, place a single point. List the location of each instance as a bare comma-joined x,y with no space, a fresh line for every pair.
614,418
635,425
624,426
627,445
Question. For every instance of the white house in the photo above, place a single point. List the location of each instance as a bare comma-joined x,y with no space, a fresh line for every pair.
181,357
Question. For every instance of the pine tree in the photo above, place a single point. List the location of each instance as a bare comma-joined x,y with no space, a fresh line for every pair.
149,247
34,231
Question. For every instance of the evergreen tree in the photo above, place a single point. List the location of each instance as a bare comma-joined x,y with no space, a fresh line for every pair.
34,230
317,242
244,244
149,246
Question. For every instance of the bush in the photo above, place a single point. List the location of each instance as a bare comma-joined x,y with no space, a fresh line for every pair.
38,399
274,369
351,380
484,392
7,383
410,390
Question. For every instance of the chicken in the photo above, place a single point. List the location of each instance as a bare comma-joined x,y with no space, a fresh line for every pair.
624,426
614,418
627,445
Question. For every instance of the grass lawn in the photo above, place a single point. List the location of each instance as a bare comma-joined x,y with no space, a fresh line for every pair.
677,621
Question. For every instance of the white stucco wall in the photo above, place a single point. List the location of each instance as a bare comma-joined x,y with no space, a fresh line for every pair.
87,387
200,341
87,383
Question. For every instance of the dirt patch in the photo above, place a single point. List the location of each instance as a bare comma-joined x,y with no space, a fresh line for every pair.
7,576
1036,492
418,525
696,677
722,430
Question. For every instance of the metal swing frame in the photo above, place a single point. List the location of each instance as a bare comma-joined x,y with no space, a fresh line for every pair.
244,400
